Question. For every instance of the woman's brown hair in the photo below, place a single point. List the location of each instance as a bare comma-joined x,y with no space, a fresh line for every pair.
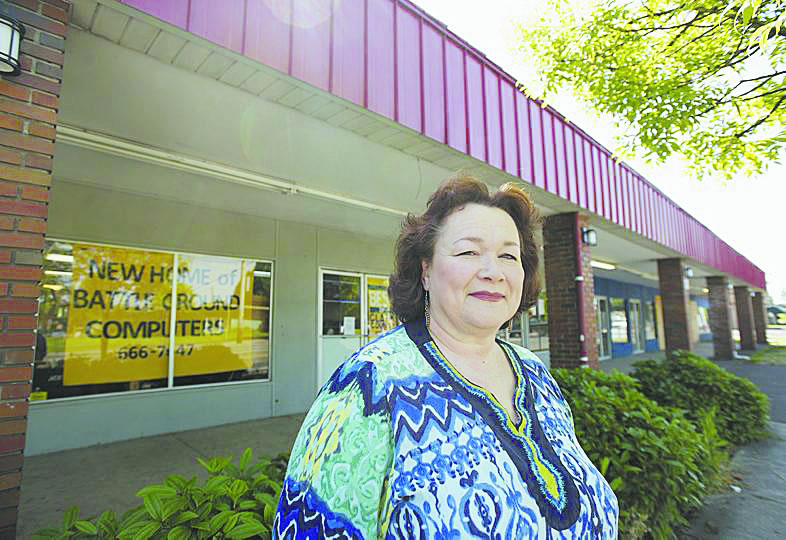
419,234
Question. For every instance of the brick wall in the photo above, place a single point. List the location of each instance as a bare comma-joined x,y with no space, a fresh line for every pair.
742,297
28,115
560,235
674,296
759,318
720,316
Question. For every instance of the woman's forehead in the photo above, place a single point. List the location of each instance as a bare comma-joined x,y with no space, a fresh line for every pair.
478,223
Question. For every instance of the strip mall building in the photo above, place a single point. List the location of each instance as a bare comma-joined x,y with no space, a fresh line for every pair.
199,199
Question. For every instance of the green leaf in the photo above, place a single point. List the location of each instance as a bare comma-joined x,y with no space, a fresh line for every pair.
247,505
616,483
231,522
171,506
186,516
71,515
245,458
218,521
269,514
86,527
133,516
157,490
153,506
147,531
246,530
179,533
604,465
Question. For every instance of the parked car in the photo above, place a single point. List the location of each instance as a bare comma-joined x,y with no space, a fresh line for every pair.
776,315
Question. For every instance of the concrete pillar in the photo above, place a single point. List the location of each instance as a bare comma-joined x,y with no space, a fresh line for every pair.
720,316
29,119
759,318
742,297
674,294
570,291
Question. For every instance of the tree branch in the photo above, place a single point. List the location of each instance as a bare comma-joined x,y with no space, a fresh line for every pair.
761,120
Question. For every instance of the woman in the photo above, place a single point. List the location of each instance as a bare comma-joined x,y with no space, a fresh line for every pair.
438,429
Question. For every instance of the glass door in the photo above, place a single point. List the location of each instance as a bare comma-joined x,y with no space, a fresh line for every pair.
354,310
604,327
340,320
636,326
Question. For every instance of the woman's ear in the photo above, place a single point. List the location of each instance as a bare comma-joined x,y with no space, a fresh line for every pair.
424,268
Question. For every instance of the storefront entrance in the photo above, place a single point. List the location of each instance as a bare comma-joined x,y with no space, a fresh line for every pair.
354,310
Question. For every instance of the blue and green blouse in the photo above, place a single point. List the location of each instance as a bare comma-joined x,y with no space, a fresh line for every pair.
399,445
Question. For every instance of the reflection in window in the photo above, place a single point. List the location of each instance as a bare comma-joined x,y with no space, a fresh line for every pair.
225,305
703,317
340,304
619,321
539,325
105,320
649,321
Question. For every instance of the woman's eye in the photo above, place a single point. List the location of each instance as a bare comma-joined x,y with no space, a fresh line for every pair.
510,256
468,253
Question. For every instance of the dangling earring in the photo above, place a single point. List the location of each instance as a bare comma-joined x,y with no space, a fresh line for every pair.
427,309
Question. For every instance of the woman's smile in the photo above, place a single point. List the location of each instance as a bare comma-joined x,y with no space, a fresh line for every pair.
488,296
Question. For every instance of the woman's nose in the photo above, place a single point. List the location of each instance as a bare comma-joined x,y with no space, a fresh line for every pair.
491,269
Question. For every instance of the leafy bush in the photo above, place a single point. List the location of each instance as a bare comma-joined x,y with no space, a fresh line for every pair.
655,460
236,501
695,384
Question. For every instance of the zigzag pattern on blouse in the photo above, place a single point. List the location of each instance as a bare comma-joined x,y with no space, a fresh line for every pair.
302,514
364,373
424,405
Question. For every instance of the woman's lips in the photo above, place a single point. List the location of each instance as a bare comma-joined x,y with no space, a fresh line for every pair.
488,296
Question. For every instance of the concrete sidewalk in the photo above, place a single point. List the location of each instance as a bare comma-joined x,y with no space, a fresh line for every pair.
108,476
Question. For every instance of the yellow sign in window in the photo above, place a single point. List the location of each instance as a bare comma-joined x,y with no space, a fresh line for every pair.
119,321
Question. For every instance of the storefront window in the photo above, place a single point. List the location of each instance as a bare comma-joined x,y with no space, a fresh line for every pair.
340,304
619,321
703,319
106,320
539,325
223,316
649,321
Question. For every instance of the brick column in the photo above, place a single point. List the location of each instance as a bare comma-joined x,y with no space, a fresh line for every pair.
720,317
759,318
742,297
565,259
674,294
28,116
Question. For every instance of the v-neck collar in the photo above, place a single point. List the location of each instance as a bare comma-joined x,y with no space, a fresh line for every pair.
548,480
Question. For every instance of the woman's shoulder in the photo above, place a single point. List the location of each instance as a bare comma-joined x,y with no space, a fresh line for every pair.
386,360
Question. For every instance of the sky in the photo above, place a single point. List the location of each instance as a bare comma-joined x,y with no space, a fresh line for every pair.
747,213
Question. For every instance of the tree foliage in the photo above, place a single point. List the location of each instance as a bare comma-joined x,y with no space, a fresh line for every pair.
700,78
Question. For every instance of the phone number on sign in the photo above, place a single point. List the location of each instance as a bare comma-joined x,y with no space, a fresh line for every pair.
143,351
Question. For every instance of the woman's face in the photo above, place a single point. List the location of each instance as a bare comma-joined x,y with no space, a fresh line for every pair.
475,277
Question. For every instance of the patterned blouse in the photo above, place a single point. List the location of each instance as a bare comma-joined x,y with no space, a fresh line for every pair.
399,445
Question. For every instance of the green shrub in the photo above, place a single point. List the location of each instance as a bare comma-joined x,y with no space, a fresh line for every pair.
655,460
236,501
693,383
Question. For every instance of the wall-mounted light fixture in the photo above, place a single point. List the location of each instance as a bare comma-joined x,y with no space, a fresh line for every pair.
11,34
688,272
589,237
